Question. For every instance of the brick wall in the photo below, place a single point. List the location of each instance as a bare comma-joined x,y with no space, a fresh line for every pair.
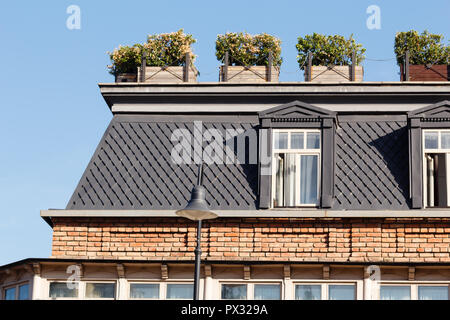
253,239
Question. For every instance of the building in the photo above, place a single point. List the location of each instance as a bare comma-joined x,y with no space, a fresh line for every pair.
323,191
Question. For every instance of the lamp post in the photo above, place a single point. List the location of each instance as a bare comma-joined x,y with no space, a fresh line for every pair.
197,210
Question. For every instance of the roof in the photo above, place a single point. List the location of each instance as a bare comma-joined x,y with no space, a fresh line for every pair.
132,168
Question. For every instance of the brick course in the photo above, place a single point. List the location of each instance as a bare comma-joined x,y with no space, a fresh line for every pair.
255,239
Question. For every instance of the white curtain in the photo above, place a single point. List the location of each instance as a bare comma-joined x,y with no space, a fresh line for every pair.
289,180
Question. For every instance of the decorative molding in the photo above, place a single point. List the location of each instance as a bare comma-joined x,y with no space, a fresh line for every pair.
326,272
120,270
208,270
36,266
287,272
247,272
164,272
411,273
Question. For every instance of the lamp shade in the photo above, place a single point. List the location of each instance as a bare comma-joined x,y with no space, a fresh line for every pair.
197,208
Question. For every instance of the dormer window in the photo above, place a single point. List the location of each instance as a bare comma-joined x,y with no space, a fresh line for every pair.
296,168
429,150
436,168
298,140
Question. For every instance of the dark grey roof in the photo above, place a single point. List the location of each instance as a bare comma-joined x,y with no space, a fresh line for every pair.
371,169
132,169
132,166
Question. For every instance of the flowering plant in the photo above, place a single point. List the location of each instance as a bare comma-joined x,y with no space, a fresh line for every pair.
166,49
328,50
248,50
423,48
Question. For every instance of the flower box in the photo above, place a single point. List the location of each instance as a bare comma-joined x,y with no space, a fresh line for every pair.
126,77
172,74
438,72
334,74
249,74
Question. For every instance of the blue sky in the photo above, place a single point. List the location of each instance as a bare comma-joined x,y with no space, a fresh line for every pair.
53,115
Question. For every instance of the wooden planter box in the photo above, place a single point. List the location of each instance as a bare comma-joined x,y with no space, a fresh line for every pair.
167,75
334,74
438,72
126,77
249,74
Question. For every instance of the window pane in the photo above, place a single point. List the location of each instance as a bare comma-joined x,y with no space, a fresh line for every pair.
100,290
431,140
308,179
312,140
234,291
395,293
341,292
10,294
445,140
180,291
144,291
433,293
61,290
23,292
297,140
308,292
267,292
280,140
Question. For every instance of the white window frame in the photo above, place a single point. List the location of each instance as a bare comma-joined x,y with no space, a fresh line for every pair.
424,162
414,285
64,298
250,288
17,286
324,287
298,152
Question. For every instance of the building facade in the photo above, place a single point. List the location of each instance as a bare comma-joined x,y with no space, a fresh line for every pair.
323,191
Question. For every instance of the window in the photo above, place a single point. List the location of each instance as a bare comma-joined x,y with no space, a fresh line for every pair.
433,293
100,290
234,291
267,292
180,291
17,292
144,291
325,291
308,292
10,293
63,290
341,292
436,166
395,292
296,163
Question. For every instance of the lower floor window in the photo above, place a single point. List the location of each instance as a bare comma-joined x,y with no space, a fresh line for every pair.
144,291
433,293
325,291
255,291
395,293
100,290
234,291
180,291
63,290
267,292
18,292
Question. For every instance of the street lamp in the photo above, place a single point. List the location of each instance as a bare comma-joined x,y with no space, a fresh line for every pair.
197,210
